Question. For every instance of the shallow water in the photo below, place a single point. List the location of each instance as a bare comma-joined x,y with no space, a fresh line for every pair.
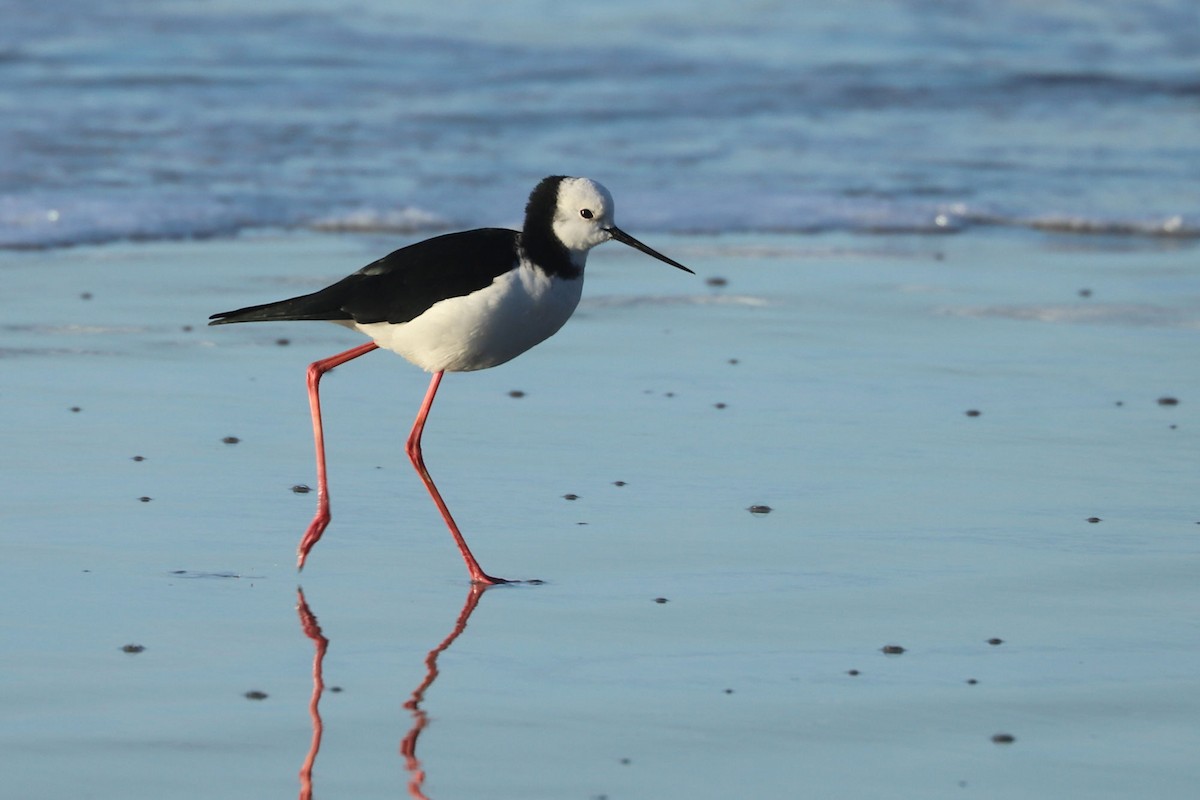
162,120
896,519
959,293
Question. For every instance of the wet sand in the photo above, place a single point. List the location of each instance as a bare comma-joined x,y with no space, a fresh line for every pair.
958,439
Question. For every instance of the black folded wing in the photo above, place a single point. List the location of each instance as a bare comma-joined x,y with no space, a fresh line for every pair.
402,285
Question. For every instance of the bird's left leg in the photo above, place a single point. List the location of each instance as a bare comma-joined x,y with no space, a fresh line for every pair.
315,371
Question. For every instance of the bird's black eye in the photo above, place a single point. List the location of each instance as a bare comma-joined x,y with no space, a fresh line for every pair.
586,213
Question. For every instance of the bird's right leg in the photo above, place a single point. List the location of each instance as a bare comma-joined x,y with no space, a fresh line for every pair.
413,448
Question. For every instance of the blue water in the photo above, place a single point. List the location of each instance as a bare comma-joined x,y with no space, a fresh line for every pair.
153,120
872,179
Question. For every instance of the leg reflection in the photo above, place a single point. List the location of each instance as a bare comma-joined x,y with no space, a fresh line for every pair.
408,747
308,622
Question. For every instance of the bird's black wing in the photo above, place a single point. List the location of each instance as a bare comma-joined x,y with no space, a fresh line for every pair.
402,285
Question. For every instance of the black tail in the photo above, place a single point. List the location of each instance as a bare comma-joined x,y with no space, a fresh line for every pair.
295,308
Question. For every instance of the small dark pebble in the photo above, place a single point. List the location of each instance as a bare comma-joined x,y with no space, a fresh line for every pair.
718,405
570,496
139,458
85,296
619,483
516,393
132,648
626,761
973,412
255,694
186,329
1085,292
852,673
717,281
231,440
668,394
335,689
76,409
733,361
1168,401
993,641
1173,427
729,691
144,499
1120,402
760,510
661,600
1003,738
1093,520
301,488
971,681
892,649
283,342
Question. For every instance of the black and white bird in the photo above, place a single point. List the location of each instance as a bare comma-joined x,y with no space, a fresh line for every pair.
455,303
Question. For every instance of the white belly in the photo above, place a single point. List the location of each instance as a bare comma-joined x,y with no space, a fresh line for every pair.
518,310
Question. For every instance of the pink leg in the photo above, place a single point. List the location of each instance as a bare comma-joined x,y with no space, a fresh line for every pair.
413,447
315,371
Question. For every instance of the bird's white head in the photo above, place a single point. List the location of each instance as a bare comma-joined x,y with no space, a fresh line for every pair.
583,214
580,216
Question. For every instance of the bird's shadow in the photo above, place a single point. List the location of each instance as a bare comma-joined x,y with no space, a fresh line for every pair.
408,746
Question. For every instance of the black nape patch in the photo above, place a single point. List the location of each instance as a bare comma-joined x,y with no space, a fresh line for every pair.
538,241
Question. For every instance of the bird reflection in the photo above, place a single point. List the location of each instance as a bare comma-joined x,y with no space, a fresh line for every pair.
408,747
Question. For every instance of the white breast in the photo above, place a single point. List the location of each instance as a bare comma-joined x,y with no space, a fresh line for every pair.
495,324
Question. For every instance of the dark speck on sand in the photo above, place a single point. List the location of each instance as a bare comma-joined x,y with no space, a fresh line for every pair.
231,440
759,509
132,648
892,649
1003,738
255,694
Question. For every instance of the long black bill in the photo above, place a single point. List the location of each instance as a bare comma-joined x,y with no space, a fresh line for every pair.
624,238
